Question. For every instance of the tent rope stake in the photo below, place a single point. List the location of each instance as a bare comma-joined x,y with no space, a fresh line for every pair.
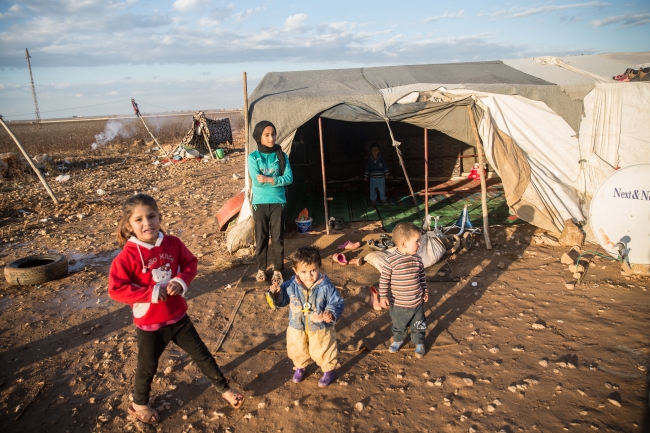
479,148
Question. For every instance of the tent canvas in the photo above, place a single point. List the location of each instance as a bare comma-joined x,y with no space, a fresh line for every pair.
552,128
208,131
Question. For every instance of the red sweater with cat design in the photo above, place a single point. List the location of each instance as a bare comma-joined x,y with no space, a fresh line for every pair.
141,270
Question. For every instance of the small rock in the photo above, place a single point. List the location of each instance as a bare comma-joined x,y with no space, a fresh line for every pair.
432,409
501,265
570,286
496,402
577,275
248,416
491,408
430,383
538,326
438,382
442,274
261,405
479,411
543,363
584,413
463,418
399,376
92,400
566,259
581,392
296,402
184,416
512,388
614,402
572,234
359,406
343,383
467,381
576,268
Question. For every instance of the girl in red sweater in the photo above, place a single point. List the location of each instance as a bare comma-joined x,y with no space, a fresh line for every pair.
152,274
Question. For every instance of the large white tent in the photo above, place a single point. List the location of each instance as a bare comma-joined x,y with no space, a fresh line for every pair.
553,128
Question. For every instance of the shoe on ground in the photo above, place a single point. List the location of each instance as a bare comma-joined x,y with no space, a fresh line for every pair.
419,351
277,278
327,379
393,348
261,276
298,376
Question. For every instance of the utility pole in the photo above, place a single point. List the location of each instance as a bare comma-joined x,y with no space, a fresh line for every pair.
31,79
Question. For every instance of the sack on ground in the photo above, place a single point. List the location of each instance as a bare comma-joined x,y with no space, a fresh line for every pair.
376,258
431,249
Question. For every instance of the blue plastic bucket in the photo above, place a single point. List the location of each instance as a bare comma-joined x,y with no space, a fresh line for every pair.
304,226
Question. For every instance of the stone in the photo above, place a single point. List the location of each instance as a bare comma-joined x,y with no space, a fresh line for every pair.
570,286
490,408
501,265
614,402
577,275
359,406
467,381
442,274
543,363
576,268
572,234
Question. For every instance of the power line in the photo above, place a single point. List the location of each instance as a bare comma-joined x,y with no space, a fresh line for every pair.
71,108
158,106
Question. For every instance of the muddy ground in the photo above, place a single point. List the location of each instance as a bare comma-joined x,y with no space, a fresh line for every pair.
509,347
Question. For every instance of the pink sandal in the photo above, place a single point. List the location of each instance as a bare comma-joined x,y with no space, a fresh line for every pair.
349,245
356,262
340,259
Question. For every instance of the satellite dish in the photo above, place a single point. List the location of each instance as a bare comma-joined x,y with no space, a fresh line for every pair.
620,213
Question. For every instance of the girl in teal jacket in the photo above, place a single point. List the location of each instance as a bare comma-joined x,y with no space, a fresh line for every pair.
270,173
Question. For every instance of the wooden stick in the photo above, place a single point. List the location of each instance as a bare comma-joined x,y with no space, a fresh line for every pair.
481,170
322,166
30,401
246,128
234,312
401,162
207,142
31,163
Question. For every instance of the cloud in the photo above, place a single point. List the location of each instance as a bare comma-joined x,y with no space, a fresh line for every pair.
446,15
205,73
187,5
127,78
78,95
518,12
113,92
630,19
12,12
295,23
242,16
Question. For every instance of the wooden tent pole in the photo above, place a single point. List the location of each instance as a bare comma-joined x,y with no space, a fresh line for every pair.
479,148
322,166
246,129
31,163
426,174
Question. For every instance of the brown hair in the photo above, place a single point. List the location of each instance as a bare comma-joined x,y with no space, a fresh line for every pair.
403,231
123,233
306,255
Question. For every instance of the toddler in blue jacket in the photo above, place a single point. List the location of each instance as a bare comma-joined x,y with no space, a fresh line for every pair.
314,307
377,171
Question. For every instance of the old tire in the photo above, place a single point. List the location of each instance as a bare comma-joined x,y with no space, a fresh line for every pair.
36,269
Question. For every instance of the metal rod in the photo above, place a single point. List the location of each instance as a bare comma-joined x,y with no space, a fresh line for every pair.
479,148
31,163
322,166
426,173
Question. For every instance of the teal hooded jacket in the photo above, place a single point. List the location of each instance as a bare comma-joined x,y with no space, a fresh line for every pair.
268,165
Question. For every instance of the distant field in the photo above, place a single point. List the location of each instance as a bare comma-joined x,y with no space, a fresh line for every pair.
80,133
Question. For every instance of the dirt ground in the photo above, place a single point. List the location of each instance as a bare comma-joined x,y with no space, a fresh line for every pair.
509,347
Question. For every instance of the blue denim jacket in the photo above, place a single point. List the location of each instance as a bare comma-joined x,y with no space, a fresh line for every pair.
322,297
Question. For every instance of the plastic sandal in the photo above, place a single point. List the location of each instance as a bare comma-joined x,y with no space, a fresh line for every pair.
238,398
349,245
377,245
374,299
340,259
356,262
147,415
261,276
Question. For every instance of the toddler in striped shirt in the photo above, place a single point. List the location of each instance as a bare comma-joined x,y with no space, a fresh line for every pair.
403,288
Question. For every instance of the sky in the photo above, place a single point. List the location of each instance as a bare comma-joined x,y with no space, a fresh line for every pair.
89,57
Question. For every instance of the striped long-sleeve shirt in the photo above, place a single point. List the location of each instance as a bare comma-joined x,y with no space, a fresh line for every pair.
402,280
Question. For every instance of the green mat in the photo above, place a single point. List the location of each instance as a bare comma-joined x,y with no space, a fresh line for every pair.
352,205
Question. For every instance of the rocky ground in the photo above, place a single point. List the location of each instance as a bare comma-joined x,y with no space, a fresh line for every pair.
511,347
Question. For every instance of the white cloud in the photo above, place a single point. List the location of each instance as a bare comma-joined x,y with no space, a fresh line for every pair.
630,19
12,12
518,12
78,95
295,23
242,16
113,92
446,15
187,5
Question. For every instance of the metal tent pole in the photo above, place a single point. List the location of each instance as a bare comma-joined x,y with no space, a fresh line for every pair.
322,166
479,149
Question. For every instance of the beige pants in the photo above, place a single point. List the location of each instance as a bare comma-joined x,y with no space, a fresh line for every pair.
317,345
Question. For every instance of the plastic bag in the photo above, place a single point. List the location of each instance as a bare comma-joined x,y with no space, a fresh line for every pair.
431,249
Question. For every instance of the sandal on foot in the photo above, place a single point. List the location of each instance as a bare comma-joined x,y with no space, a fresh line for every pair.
261,276
277,278
340,259
374,299
147,415
234,398
356,262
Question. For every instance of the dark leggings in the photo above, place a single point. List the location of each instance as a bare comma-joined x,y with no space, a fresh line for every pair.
269,221
151,345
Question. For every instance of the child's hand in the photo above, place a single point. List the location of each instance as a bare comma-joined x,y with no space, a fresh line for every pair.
275,289
384,303
425,298
328,317
162,295
174,288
